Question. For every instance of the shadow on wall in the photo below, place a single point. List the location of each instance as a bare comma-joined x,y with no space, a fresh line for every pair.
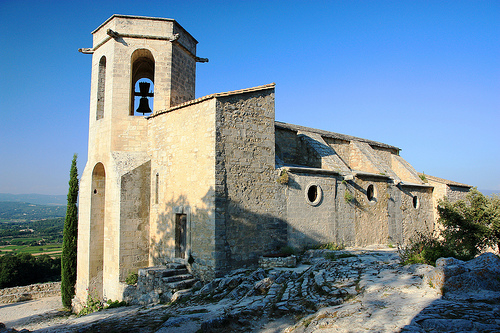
215,240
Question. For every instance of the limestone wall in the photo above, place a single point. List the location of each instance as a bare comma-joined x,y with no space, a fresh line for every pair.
247,221
182,150
292,150
371,221
341,147
455,193
417,214
311,222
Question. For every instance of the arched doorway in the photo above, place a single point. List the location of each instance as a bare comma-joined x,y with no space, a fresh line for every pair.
97,214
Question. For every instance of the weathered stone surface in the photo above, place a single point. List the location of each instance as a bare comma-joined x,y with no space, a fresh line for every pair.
475,279
270,262
369,291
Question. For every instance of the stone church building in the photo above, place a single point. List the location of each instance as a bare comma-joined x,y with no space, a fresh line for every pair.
215,182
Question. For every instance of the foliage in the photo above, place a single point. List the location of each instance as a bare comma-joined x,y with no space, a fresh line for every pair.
283,177
348,197
424,249
132,278
422,176
24,269
330,246
93,305
70,234
114,304
470,226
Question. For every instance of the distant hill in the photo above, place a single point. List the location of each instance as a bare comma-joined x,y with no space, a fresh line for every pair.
489,192
39,199
10,211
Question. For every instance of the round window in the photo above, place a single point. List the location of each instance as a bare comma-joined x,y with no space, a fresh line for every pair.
371,193
313,194
416,202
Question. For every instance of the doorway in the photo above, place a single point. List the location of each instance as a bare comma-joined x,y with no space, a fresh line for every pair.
180,235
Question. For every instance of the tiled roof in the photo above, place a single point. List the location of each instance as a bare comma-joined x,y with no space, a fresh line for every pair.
444,181
332,135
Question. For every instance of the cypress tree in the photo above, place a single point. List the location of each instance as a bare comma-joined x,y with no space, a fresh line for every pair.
70,234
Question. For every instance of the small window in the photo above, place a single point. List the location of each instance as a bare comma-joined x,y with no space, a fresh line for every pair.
416,202
371,193
101,86
313,194
157,185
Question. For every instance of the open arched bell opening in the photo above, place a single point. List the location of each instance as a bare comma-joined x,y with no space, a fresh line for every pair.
142,85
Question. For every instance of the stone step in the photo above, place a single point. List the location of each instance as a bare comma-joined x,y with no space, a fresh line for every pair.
183,284
173,265
175,278
174,272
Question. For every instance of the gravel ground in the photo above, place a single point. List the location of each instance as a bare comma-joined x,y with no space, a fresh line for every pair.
18,315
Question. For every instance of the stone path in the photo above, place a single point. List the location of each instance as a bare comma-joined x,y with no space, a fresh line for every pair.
359,290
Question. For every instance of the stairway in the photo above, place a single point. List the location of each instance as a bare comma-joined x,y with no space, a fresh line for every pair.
164,283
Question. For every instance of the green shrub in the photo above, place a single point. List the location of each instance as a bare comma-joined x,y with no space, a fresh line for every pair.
93,305
472,224
115,304
330,246
424,249
283,177
132,278
348,197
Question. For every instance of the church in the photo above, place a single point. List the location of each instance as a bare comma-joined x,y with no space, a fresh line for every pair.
216,182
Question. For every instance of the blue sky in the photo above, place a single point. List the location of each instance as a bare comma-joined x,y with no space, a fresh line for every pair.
420,75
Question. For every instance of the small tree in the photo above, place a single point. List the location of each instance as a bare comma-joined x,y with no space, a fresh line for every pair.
470,224
70,234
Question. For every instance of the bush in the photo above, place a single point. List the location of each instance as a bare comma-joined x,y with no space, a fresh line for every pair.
330,246
283,177
132,279
114,304
470,226
424,249
93,305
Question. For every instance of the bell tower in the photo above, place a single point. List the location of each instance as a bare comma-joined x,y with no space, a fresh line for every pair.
138,63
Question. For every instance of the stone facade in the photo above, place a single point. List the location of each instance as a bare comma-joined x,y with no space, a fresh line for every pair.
195,183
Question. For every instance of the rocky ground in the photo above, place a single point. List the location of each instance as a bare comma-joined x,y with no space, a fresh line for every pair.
355,290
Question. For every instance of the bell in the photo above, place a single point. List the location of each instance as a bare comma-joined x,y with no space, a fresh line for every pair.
143,106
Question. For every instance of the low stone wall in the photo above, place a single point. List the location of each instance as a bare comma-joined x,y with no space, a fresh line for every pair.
270,262
27,293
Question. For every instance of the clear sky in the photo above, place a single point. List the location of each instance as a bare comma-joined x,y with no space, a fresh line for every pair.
420,75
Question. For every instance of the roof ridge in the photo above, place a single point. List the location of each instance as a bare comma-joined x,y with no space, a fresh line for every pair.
207,97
